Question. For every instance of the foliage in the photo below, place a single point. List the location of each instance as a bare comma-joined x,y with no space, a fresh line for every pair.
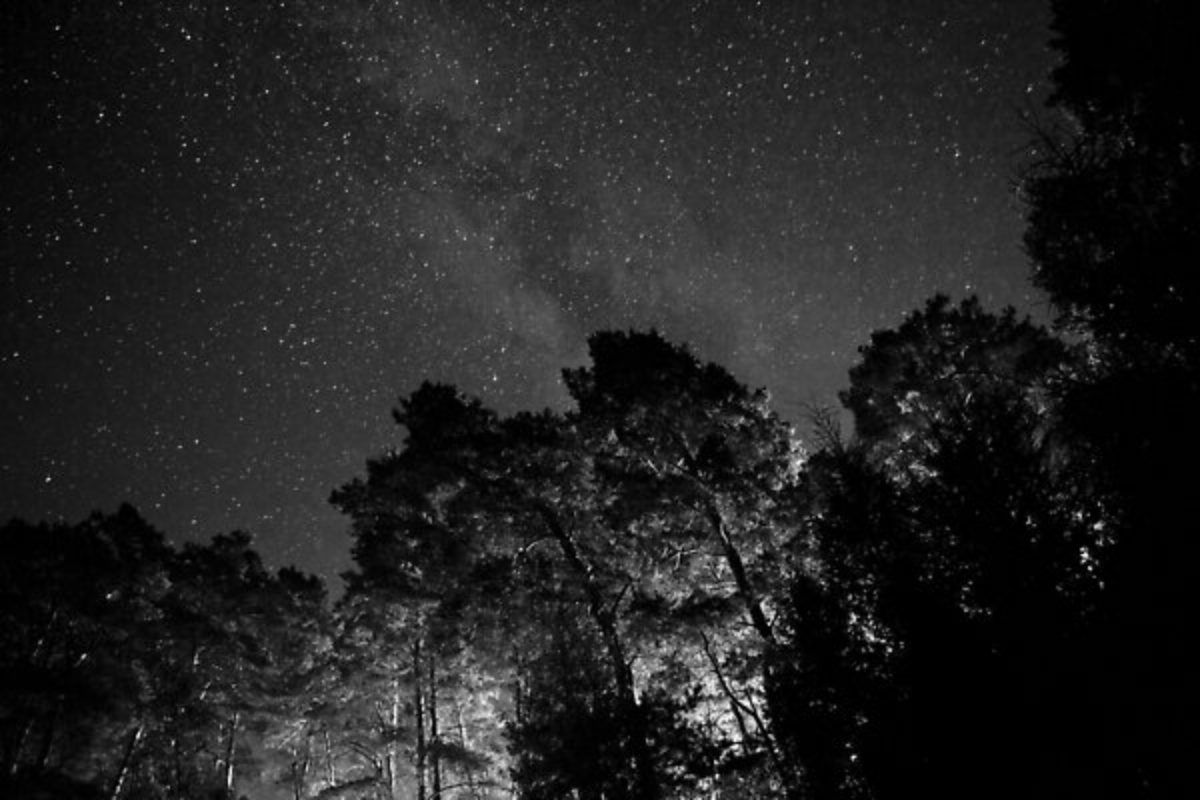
140,670
1114,202
955,548
1114,239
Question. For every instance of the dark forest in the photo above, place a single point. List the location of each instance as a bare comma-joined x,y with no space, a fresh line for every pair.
980,590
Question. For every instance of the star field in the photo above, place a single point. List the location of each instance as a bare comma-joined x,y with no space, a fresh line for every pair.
234,233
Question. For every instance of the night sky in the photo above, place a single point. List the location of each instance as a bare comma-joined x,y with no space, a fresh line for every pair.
234,233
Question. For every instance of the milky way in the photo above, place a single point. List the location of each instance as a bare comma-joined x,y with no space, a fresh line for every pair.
235,233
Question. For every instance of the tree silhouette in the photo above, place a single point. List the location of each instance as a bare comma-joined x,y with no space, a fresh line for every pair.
653,511
935,640
1114,239
508,489
1114,202
698,466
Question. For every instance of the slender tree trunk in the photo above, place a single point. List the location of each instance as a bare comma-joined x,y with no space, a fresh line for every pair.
605,620
118,785
39,658
330,770
518,688
786,770
466,745
435,759
177,765
393,758
231,752
734,559
48,735
300,764
26,729
419,706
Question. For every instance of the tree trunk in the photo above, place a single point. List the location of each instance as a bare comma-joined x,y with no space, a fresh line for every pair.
787,771
48,735
435,760
176,766
734,559
126,762
735,705
39,658
466,745
230,751
518,687
26,728
418,703
300,765
392,777
647,782
330,770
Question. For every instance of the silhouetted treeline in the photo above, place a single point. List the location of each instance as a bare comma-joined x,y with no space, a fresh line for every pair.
133,669
984,591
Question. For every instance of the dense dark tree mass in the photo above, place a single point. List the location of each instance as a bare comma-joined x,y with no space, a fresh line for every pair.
983,592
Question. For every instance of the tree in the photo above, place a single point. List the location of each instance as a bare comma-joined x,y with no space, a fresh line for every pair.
568,734
289,674
77,606
1113,204
696,466
407,658
502,488
918,386
134,670
955,542
1114,239
652,510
